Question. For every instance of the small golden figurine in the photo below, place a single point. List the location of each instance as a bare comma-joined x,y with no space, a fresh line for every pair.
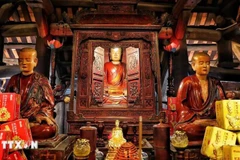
81,148
179,139
117,138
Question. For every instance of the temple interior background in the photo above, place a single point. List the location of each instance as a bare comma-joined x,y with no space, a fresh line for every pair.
69,36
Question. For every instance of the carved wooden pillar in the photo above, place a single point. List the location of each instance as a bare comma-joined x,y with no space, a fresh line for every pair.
180,65
180,61
43,57
225,58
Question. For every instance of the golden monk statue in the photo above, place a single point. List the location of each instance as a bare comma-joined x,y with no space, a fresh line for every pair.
117,138
196,97
115,86
37,99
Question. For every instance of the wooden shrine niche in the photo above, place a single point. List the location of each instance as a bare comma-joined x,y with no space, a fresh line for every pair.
96,97
115,83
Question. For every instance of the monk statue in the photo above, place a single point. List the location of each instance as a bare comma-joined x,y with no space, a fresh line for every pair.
196,99
117,138
37,100
115,86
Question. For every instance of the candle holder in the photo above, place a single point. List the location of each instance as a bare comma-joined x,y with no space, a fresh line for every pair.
100,129
135,140
125,129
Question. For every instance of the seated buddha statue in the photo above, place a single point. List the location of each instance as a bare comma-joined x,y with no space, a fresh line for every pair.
115,86
37,100
196,99
117,138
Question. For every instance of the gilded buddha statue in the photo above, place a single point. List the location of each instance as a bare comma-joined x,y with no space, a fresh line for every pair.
115,86
117,138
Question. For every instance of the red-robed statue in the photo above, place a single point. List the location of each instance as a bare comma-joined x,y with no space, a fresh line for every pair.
115,88
37,99
196,99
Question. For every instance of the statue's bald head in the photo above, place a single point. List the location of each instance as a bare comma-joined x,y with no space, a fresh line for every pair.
199,54
27,60
31,51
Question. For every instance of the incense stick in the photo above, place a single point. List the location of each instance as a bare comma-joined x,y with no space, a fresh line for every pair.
140,138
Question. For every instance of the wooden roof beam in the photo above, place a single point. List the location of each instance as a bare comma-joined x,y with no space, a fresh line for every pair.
232,33
2,2
177,9
208,9
45,4
191,4
41,20
202,47
158,7
183,17
18,30
183,4
18,46
8,9
25,12
165,7
5,12
60,29
48,7
203,34
230,8
73,3
181,26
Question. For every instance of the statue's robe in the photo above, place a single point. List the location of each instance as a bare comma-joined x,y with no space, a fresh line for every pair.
114,73
36,96
114,83
191,105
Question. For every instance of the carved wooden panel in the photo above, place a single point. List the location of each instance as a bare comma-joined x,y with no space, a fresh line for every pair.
83,77
132,61
147,77
133,74
98,74
116,9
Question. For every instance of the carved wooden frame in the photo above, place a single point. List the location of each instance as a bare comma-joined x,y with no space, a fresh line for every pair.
82,51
